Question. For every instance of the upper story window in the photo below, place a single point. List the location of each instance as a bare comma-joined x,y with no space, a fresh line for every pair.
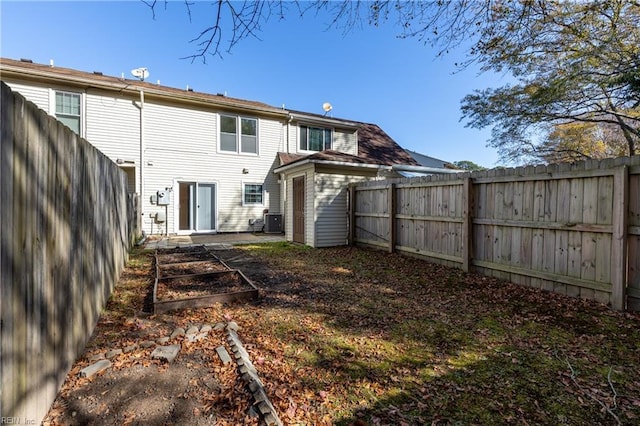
68,109
315,138
238,134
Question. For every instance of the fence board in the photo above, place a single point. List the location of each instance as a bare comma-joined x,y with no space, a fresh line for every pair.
633,299
565,228
60,251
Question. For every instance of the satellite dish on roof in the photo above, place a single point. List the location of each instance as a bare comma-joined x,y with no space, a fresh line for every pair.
327,107
140,73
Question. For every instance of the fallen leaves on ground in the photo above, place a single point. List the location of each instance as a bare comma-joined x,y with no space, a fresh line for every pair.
355,336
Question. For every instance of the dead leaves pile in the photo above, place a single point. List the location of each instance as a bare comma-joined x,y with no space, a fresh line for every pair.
354,336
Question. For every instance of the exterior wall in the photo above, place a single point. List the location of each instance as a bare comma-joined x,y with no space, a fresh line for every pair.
113,125
309,209
185,149
39,95
331,203
325,203
344,140
180,144
308,173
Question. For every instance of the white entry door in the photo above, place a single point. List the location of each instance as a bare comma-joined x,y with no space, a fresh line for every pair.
197,205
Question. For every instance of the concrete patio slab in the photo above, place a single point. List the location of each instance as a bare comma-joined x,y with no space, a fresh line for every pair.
217,241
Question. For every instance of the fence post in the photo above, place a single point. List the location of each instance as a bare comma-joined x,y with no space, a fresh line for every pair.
351,237
619,238
467,223
391,208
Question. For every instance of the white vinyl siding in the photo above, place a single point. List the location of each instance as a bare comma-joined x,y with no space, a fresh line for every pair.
36,94
325,203
345,141
184,148
307,172
113,126
331,203
180,145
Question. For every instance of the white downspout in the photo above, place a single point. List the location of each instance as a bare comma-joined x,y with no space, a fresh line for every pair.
142,157
289,131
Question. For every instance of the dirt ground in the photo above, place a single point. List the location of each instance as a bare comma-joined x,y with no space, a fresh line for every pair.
353,336
195,389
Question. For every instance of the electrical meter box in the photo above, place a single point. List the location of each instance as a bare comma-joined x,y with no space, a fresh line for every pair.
163,198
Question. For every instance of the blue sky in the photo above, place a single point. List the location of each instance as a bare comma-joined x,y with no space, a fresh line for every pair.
368,74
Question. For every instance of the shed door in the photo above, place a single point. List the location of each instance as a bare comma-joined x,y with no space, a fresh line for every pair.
298,210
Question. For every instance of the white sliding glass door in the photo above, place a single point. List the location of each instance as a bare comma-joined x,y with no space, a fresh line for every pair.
197,207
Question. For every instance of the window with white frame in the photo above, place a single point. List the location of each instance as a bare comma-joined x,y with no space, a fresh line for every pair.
238,134
68,109
252,194
315,138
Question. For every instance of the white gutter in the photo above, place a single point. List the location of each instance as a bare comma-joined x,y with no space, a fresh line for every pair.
311,119
395,167
142,155
423,169
330,163
122,85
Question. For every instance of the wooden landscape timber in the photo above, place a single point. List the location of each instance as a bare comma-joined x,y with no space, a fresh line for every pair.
568,228
211,272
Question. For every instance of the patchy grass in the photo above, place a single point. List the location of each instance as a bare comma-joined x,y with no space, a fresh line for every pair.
395,340
354,336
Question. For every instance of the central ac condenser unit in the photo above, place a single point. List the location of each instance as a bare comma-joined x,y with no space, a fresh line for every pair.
273,223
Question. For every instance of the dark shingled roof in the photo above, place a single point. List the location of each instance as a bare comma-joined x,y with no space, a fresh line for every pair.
374,147
374,144
34,71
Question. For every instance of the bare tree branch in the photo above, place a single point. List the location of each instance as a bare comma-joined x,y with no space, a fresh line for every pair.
605,407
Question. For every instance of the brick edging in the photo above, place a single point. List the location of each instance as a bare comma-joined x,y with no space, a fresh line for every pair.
250,376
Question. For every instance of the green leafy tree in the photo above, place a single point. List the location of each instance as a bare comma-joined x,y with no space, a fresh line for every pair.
575,62
468,165
579,141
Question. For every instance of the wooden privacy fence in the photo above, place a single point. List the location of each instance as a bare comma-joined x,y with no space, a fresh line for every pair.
568,228
64,233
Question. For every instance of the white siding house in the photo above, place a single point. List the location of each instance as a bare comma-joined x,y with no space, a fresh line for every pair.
205,163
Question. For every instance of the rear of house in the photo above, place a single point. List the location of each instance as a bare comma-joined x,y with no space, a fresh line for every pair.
206,163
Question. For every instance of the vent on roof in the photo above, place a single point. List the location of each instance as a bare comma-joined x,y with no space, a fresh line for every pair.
97,72
29,61
190,89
